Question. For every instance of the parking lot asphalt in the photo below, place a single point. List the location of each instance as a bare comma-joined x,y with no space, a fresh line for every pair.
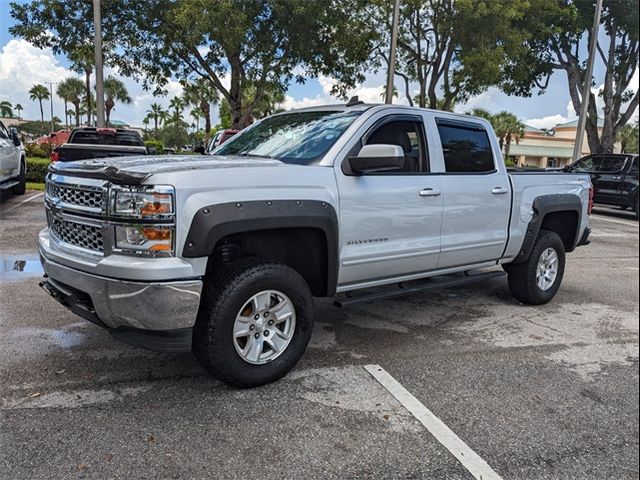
542,392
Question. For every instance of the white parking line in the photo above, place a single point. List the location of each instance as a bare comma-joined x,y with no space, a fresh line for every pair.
21,203
610,220
467,457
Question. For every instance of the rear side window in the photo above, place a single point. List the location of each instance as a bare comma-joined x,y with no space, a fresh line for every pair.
131,139
633,170
466,149
587,164
611,165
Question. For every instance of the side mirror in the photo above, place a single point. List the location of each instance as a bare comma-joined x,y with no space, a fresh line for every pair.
566,168
377,158
199,149
151,150
14,136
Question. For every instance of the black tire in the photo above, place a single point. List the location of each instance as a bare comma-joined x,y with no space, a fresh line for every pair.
224,295
21,188
522,276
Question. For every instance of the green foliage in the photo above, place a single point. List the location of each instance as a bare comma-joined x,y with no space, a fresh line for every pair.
157,145
558,33
35,150
37,169
36,128
628,138
6,109
174,135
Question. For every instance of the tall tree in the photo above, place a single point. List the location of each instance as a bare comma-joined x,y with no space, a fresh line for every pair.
452,49
155,113
237,44
5,109
68,93
19,109
114,90
559,34
202,94
72,92
507,128
38,93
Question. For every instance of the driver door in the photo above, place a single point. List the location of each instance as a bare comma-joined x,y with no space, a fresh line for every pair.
390,221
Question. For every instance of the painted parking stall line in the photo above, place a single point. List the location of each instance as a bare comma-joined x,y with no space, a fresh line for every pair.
467,457
611,220
5,211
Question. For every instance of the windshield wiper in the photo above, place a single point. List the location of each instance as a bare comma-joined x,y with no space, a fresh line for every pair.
254,155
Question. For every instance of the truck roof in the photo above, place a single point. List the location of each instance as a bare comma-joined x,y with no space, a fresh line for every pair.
361,107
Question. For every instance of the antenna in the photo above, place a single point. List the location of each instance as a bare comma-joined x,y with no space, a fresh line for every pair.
354,101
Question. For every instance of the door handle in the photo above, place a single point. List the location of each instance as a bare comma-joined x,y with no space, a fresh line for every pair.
429,192
499,191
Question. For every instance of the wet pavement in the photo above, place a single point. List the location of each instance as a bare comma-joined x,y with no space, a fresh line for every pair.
537,392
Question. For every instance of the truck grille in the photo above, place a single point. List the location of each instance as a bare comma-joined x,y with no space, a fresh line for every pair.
81,197
77,234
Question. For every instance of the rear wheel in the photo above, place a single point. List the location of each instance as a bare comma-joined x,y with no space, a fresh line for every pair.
254,324
537,280
21,188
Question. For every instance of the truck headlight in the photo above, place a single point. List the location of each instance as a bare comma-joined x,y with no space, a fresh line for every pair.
143,202
145,240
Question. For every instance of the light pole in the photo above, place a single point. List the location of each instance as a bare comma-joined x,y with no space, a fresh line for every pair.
51,101
392,53
97,24
586,88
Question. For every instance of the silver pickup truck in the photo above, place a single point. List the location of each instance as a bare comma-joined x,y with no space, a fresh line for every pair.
223,254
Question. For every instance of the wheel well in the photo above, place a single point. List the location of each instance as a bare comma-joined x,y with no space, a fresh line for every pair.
564,224
303,249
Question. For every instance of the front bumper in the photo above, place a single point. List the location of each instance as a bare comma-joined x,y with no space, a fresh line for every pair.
155,315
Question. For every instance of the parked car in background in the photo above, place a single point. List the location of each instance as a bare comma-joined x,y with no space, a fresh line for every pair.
223,254
13,163
219,138
614,178
86,143
55,139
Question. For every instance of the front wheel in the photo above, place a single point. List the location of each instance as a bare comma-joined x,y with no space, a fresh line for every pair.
21,188
537,280
254,323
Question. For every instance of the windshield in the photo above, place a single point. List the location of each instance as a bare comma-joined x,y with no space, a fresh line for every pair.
301,138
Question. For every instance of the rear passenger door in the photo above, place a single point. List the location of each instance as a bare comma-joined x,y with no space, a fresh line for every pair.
477,196
607,179
9,156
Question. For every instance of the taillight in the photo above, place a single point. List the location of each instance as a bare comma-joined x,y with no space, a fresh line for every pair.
590,208
54,156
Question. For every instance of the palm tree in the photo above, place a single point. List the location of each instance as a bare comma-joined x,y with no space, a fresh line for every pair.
114,89
39,92
5,109
202,95
507,128
71,90
19,108
480,112
178,105
155,113
196,116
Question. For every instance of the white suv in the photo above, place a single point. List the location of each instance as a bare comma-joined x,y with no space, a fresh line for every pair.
13,164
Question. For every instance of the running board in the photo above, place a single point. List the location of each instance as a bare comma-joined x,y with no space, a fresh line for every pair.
433,283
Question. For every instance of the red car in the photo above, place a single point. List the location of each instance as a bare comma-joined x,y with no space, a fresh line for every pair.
219,138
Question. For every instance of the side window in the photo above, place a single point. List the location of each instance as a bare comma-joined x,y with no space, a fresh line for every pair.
611,164
4,133
465,149
633,170
406,134
587,164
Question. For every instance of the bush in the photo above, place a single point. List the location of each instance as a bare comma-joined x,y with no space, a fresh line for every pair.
37,169
155,144
35,150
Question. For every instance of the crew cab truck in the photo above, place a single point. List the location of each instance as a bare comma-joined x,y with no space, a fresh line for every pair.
89,143
223,254
13,162
614,177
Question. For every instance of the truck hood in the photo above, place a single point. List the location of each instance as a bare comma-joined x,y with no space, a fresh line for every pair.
134,170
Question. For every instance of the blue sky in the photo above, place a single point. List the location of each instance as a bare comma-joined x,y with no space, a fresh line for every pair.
22,65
